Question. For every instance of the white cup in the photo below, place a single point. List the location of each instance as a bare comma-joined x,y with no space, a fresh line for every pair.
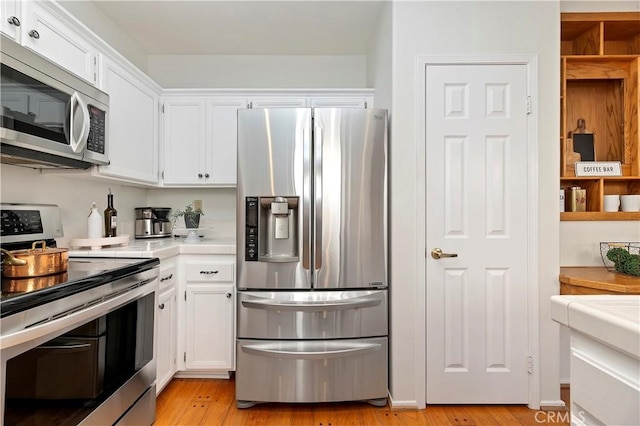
630,203
611,203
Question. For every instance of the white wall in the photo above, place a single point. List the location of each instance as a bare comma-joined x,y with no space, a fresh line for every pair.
258,71
94,19
447,28
599,6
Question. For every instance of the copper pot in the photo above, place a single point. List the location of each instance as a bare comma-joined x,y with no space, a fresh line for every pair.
22,285
34,262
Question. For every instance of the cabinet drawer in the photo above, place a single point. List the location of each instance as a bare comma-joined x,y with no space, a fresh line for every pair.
202,271
168,274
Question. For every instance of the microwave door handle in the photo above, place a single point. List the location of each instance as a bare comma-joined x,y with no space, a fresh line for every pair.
77,145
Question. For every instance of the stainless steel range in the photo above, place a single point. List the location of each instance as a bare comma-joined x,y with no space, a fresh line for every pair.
77,347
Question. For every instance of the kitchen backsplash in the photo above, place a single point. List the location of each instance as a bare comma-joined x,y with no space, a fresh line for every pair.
75,194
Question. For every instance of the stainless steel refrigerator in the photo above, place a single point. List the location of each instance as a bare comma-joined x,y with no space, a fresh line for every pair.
312,309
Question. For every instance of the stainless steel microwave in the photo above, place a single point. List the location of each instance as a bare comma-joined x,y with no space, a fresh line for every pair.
50,117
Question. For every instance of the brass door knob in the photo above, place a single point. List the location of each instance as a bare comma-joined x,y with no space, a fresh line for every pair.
436,253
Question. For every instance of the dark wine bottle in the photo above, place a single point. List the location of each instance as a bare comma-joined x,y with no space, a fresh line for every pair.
110,217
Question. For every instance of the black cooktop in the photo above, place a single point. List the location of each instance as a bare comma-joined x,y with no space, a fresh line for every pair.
19,294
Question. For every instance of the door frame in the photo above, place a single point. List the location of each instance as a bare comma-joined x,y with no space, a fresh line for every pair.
531,64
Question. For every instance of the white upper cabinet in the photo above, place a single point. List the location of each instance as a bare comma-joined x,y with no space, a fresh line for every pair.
278,102
222,134
341,102
48,36
11,18
199,146
184,142
133,124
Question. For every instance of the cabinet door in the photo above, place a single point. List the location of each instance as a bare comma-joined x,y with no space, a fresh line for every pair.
133,125
222,133
184,146
209,334
341,102
166,338
11,18
49,37
278,102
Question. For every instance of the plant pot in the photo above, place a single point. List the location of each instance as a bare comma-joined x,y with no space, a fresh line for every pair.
192,221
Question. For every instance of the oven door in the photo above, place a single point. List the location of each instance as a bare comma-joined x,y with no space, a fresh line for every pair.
91,364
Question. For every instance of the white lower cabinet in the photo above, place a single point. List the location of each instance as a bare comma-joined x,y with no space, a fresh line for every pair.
167,317
208,341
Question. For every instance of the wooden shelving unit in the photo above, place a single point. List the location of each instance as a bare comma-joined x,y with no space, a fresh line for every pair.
600,66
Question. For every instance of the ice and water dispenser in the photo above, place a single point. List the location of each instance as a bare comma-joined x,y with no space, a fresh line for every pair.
271,229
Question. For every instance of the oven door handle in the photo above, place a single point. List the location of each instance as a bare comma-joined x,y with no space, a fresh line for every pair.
71,346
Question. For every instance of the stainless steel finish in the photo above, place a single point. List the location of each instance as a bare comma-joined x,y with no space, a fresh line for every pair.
312,315
35,326
271,150
436,253
29,329
353,216
317,195
329,344
34,34
13,20
152,222
25,149
143,412
51,221
306,202
311,371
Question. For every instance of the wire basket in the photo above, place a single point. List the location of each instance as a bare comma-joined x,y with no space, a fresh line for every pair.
631,247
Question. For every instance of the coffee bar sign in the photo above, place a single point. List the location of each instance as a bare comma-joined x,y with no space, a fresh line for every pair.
598,168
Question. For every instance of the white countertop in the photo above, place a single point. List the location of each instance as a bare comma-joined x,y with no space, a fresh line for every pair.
610,319
161,248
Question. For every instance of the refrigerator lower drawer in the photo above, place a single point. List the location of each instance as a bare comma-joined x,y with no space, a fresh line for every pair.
311,371
312,314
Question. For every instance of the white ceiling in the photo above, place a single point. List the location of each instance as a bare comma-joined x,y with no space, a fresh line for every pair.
238,27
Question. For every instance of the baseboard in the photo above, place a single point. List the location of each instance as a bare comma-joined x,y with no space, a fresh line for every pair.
552,405
403,405
202,375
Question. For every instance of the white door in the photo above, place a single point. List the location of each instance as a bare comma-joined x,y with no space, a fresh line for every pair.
476,207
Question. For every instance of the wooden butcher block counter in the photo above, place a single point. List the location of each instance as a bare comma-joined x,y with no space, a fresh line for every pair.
596,280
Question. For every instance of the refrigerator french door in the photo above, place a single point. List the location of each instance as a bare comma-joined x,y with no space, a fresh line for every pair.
312,255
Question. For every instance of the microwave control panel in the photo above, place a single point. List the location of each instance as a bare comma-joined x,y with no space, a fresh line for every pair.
97,130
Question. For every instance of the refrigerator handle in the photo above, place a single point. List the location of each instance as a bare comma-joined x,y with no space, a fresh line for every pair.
317,176
319,352
306,200
271,305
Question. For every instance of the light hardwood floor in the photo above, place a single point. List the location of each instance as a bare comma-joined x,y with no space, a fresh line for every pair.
211,402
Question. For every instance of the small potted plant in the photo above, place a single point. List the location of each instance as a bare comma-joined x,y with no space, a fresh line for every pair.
191,214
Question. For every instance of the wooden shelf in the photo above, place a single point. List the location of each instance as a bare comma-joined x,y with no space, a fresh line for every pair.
600,64
590,216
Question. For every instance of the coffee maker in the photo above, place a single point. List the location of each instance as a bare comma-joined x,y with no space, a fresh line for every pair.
153,222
